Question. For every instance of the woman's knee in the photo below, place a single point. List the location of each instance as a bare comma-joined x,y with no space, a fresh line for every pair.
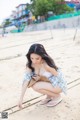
40,85
36,86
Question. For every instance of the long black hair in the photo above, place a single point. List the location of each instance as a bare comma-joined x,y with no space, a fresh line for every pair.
40,50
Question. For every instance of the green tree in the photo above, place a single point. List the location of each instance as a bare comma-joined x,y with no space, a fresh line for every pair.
59,7
41,7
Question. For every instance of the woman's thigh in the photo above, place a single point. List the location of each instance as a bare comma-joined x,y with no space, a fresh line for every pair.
47,86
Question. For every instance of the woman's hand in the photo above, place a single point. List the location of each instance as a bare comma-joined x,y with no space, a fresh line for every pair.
20,105
36,77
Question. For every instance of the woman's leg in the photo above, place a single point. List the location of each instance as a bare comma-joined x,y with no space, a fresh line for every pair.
47,89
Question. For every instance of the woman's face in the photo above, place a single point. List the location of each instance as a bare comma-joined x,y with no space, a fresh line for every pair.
36,59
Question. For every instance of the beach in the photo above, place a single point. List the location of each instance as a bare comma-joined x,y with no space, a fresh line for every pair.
63,45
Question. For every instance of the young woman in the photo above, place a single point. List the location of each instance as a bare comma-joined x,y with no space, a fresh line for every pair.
40,63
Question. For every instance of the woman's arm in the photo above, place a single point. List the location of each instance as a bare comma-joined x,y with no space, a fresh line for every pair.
24,87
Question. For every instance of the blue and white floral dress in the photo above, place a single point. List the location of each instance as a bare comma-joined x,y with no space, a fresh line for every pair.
58,80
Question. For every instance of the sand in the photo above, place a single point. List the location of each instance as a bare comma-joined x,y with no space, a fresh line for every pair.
65,51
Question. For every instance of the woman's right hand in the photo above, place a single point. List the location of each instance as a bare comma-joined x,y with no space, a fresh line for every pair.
36,77
20,105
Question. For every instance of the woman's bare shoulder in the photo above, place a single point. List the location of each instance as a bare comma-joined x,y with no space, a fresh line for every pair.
46,66
50,69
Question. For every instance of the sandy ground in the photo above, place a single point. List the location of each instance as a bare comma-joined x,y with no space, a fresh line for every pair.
66,53
68,109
